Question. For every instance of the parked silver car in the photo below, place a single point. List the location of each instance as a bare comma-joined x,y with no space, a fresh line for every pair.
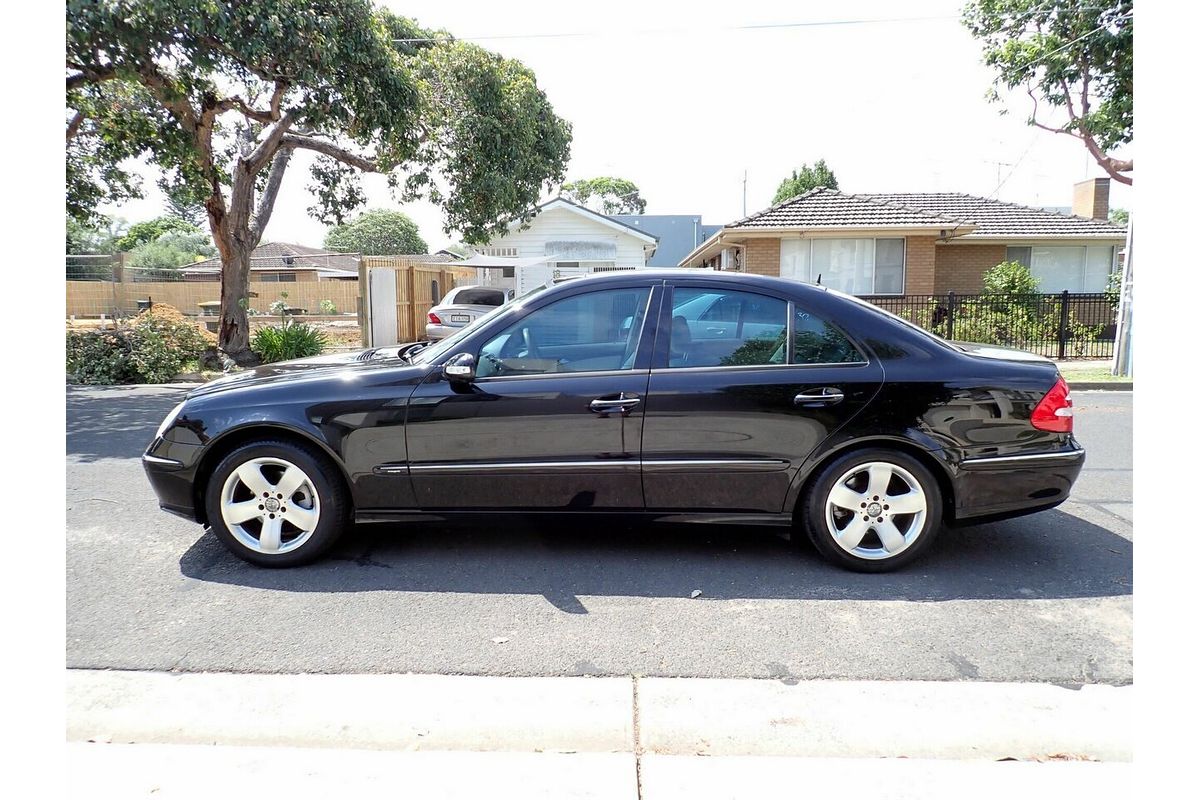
461,306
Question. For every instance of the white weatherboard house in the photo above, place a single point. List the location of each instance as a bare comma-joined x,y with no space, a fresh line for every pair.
563,239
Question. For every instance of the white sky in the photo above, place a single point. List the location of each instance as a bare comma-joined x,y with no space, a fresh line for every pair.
674,98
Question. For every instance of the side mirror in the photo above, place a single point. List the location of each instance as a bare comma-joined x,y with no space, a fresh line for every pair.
460,368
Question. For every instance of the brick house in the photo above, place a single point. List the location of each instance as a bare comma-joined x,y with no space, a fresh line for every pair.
916,243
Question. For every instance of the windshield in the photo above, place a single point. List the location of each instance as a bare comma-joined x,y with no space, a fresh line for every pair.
427,355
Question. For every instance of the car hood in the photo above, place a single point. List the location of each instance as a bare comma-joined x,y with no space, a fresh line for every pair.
339,365
998,352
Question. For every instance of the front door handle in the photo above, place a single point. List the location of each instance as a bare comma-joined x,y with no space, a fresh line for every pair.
825,396
606,405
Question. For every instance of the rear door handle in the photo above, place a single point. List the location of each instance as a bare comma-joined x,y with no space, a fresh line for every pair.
825,396
606,405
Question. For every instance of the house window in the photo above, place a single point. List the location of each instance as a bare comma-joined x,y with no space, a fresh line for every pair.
854,266
1075,268
277,277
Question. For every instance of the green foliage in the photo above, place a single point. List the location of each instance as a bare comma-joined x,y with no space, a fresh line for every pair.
606,195
378,232
328,307
153,348
182,202
150,230
1118,216
96,238
805,180
1074,57
1009,278
287,341
218,96
1112,291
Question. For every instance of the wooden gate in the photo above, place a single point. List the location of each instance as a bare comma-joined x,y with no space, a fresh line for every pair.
396,304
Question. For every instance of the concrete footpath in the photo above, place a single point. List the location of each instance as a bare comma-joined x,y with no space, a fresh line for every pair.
134,734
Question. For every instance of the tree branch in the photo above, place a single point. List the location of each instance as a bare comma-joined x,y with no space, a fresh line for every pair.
266,203
333,151
73,125
88,76
267,149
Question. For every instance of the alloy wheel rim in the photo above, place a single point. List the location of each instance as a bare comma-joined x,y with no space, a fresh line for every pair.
876,510
270,505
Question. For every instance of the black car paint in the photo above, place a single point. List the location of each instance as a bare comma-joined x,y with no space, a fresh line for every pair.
377,418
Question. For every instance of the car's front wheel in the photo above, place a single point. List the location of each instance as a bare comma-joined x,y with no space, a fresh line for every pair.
873,510
276,503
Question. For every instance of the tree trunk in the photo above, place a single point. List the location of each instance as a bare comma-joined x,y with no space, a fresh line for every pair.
234,338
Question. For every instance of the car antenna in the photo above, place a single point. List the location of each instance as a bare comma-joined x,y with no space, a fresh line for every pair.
818,279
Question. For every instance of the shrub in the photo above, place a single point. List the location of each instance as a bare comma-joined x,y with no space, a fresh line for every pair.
153,348
287,341
328,307
101,356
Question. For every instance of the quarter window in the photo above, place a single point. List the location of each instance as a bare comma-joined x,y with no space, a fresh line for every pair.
815,341
586,333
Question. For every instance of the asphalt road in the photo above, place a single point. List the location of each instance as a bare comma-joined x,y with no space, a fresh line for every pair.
1043,598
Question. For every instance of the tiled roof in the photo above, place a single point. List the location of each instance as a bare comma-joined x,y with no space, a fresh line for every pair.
995,218
276,256
828,209
831,209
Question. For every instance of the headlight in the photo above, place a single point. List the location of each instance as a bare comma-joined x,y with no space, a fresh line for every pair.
170,419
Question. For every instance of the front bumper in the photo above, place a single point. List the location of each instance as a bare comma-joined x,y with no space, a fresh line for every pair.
171,470
996,487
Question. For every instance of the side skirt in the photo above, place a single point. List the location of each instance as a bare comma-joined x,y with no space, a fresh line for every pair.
414,515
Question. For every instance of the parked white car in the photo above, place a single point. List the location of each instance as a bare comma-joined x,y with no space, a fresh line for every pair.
461,306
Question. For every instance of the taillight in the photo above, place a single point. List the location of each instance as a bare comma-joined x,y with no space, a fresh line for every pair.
434,318
1054,412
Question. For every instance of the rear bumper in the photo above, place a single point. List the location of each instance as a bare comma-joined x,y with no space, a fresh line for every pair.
438,332
997,487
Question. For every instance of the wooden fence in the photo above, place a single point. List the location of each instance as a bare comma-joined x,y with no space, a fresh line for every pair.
415,289
115,298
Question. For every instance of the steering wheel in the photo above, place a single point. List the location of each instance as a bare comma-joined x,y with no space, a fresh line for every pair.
531,349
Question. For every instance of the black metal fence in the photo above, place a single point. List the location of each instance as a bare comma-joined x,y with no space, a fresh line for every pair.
1061,326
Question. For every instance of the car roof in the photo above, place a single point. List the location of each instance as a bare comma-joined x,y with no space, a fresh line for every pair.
742,279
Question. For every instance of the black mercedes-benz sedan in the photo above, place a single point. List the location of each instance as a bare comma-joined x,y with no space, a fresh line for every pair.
690,396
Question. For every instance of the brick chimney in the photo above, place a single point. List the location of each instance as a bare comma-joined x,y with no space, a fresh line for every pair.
1091,199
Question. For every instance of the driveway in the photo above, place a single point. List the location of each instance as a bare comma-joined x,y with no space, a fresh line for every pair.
1042,598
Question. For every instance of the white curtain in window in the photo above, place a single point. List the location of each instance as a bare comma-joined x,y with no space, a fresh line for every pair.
1099,265
844,264
793,259
1071,268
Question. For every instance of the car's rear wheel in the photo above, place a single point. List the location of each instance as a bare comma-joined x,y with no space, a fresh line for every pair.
873,510
276,503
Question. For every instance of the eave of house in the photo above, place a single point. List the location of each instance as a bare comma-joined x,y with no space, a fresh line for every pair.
732,237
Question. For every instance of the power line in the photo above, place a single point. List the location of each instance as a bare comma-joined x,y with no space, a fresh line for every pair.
659,31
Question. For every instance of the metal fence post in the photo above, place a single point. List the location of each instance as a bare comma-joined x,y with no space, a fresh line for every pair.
1063,325
950,315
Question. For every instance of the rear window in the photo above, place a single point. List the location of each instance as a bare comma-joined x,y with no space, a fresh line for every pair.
480,297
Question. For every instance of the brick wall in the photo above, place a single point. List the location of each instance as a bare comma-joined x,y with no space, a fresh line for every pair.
762,257
919,261
960,267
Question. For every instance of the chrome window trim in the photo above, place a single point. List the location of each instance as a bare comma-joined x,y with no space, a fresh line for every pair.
545,375
745,367
1067,454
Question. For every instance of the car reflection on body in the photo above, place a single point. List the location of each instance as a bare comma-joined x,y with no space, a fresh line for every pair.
690,396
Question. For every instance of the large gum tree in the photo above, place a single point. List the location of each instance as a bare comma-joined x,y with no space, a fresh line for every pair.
220,96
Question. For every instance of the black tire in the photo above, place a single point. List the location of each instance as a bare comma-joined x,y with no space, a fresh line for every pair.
812,516
335,507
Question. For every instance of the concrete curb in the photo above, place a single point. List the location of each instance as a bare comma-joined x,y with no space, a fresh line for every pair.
670,716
